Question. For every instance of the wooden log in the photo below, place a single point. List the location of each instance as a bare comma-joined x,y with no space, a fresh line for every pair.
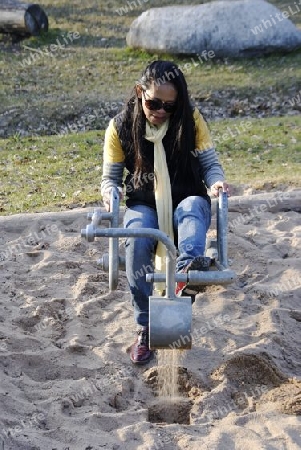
257,204
22,19
274,202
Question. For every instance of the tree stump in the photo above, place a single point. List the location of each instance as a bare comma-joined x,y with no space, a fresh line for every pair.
22,20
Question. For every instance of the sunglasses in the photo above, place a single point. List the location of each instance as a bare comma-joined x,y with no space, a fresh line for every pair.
155,104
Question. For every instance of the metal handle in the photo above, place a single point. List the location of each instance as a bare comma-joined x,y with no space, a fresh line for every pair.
113,242
222,228
89,233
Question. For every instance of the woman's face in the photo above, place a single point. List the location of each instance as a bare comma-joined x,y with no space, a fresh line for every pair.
167,93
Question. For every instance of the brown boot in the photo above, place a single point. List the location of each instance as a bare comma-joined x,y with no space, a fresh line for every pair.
140,352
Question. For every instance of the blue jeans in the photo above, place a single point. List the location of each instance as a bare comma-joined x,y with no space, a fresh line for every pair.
192,219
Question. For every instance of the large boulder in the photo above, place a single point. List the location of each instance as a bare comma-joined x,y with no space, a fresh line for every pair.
237,28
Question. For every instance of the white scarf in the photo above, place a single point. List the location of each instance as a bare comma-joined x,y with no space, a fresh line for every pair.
162,194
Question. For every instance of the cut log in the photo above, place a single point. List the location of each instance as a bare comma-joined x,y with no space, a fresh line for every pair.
22,19
274,202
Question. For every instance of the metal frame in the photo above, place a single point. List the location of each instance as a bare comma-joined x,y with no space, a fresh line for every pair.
170,317
113,261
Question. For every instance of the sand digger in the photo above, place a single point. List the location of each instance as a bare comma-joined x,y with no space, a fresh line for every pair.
170,317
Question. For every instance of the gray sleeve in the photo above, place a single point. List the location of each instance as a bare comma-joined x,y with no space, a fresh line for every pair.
112,176
210,169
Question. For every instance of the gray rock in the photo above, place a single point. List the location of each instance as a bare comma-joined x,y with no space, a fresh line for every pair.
237,28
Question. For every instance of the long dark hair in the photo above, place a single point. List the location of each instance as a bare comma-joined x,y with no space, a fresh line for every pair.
181,125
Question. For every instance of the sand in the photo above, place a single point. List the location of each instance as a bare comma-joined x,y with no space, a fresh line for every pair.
66,378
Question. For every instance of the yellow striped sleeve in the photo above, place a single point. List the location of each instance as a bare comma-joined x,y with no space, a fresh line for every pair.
203,139
112,152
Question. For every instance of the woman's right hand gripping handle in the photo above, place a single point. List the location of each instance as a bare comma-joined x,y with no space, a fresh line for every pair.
106,197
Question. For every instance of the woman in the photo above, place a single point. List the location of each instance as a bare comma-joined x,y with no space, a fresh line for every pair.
164,144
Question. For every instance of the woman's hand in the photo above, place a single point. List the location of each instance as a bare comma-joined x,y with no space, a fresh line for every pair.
219,185
106,197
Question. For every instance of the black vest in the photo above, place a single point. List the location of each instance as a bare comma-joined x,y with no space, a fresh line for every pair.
185,181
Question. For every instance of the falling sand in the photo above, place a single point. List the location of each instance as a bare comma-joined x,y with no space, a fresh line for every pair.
171,406
168,363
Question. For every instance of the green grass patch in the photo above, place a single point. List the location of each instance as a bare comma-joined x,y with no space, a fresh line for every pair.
264,153
50,173
60,172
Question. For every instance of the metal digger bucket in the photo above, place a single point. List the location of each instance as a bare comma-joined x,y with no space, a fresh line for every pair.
170,317
170,323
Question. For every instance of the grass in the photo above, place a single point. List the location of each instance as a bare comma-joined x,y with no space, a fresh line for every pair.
59,172
98,66
41,96
262,153
50,173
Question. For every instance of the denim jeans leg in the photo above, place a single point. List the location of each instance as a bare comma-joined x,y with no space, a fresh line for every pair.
139,253
192,218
